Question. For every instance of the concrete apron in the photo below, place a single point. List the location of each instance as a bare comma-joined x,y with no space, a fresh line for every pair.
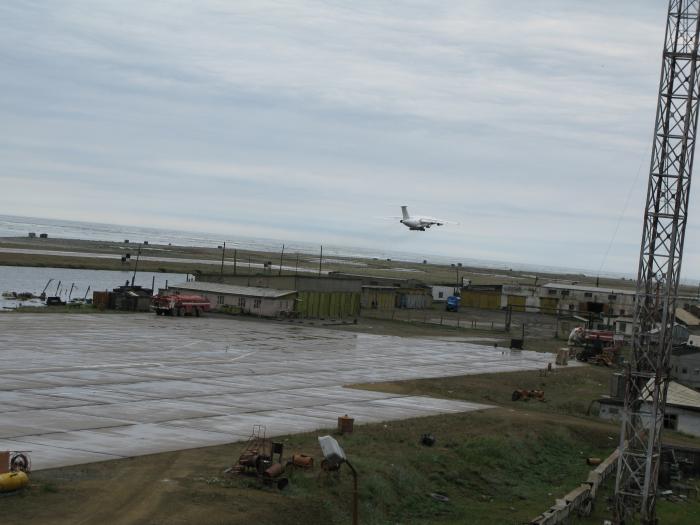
81,388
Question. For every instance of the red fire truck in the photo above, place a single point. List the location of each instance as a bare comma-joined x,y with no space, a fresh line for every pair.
177,304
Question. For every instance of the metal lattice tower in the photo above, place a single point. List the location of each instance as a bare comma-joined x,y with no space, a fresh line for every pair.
659,267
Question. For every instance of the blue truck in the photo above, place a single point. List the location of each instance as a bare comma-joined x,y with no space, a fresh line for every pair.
452,304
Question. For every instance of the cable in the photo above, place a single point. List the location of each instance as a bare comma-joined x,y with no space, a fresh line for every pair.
622,214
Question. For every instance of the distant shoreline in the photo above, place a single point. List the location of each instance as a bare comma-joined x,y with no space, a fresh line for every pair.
106,255
80,232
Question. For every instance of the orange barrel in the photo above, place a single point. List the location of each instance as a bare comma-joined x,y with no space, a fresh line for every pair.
345,424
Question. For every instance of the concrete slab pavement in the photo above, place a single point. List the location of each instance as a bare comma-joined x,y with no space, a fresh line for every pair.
81,388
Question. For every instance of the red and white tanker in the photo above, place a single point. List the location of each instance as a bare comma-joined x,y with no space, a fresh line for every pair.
177,304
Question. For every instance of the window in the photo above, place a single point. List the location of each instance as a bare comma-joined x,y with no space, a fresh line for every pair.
612,297
671,421
696,371
241,302
256,303
552,292
622,326
440,295
565,293
571,307
588,294
684,371
219,299
622,312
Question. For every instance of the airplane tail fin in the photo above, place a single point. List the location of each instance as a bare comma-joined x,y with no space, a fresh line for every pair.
404,212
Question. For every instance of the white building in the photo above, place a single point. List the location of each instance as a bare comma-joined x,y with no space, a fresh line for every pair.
265,302
568,299
685,363
682,409
572,297
442,291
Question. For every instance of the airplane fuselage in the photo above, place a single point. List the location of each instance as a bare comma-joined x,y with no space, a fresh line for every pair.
420,223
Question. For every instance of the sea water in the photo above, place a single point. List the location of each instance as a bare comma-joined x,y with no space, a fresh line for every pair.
61,280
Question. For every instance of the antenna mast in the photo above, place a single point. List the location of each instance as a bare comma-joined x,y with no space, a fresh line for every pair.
660,257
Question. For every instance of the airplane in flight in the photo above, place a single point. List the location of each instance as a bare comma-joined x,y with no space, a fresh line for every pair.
419,223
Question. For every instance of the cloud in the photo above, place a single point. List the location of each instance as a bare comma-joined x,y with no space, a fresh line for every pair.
525,121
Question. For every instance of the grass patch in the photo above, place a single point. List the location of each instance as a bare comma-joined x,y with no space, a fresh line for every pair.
567,390
494,468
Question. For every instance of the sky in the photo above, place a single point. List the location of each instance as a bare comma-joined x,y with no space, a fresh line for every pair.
529,123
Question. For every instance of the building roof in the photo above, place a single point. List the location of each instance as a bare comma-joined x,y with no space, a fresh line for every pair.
679,395
594,289
686,349
686,317
230,289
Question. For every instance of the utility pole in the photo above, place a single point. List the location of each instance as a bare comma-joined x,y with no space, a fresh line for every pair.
281,259
320,262
138,256
235,257
223,253
665,217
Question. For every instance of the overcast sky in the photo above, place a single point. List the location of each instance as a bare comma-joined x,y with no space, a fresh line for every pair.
527,122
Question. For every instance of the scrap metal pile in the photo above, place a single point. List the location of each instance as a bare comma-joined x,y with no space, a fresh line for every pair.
258,458
600,347
263,458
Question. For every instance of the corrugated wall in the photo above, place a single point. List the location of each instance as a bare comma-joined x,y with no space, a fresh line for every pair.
517,302
328,304
378,299
414,299
476,299
549,305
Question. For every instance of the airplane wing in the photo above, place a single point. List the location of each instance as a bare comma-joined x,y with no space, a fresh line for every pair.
438,222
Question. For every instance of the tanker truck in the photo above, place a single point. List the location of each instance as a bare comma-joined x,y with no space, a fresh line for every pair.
176,304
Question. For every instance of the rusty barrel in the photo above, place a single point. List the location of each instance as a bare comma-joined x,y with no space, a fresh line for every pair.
345,424
302,460
274,471
4,462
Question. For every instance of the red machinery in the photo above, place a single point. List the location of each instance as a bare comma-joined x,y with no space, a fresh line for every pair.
180,304
601,347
